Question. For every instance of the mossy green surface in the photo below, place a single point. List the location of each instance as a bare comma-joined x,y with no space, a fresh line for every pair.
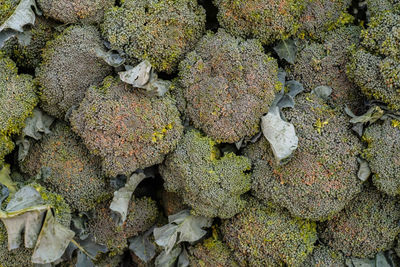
7,8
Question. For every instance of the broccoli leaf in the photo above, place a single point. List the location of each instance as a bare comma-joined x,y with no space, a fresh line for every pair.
4,193
322,92
183,260
23,15
286,49
112,58
142,247
364,171
83,260
6,180
122,197
182,227
168,259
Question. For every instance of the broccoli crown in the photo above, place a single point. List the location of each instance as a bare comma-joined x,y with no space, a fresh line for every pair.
228,84
212,185
321,178
161,31
375,65
127,128
73,11
211,252
321,16
7,8
383,155
325,63
17,100
16,257
68,168
377,7
142,215
325,256
69,67
263,235
267,21
369,224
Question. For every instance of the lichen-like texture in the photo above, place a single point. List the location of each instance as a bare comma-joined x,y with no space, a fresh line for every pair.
383,155
263,235
375,65
161,31
142,215
7,7
324,256
17,100
212,252
69,67
125,127
228,84
369,224
67,168
208,182
321,178
265,20
74,11
321,16
324,64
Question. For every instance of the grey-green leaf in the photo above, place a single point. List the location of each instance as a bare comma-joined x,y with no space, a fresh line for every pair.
287,49
142,247
322,92
168,259
364,171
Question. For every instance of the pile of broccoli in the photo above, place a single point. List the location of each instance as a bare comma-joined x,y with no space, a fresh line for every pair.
200,133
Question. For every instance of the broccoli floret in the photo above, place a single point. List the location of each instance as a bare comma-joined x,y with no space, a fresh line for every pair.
211,252
321,178
383,155
325,256
263,235
211,184
67,168
265,20
142,214
228,84
73,11
321,16
324,64
377,7
69,67
369,224
127,128
17,100
7,8
161,32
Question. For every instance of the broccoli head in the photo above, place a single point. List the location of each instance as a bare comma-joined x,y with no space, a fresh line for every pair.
74,11
369,224
7,8
69,67
321,177
325,256
161,32
67,168
383,155
228,84
142,215
265,20
324,64
125,127
321,16
263,235
211,184
377,7
17,100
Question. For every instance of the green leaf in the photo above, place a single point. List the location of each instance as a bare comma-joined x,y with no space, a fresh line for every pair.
168,259
287,49
143,247
322,92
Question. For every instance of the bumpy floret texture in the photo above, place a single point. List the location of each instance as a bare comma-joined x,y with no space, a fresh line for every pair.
321,177
383,155
228,84
266,236
69,67
17,100
74,11
321,16
325,64
376,7
212,185
161,31
211,252
324,256
369,224
68,167
125,127
265,20
7,7
142,214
